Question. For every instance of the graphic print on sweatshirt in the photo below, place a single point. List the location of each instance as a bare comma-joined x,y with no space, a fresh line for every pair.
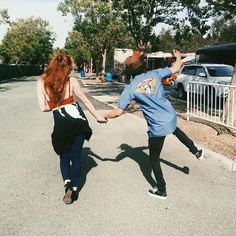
146,87
72,111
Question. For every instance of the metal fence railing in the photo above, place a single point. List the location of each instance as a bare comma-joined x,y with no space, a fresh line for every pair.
212,102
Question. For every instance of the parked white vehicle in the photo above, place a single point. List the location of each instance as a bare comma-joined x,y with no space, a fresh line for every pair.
205,73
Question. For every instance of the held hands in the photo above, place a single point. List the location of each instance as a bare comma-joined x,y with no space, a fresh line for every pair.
101,120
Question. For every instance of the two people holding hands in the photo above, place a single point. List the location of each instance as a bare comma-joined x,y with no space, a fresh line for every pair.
56,92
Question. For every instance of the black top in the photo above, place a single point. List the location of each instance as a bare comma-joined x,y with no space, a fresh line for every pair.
69,122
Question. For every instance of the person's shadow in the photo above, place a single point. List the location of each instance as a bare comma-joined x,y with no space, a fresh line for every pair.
87,163
142,159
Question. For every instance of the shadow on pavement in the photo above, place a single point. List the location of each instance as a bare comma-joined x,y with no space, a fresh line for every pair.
142,159
21,79
87,163
4,88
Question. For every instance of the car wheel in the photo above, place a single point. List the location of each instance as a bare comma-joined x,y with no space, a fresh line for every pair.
181,94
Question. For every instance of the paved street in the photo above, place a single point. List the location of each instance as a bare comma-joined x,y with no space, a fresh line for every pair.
115,178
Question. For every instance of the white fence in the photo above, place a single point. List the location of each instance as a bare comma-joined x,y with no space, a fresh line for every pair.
212,102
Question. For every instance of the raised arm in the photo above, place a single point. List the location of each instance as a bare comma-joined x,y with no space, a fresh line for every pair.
178,63
82,97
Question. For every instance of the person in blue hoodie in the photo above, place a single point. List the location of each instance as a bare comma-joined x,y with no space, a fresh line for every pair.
147,90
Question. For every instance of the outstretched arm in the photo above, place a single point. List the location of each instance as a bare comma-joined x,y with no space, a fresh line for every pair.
114,114
82,97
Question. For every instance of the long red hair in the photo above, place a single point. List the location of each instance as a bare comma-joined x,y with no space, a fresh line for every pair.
56,76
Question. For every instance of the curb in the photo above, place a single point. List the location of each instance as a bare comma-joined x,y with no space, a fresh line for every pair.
228,163
223,160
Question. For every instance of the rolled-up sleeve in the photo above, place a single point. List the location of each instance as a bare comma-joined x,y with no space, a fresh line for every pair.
125,98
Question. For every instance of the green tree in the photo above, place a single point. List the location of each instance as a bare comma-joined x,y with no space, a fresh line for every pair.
199,30
99,25
166,40
189,39
223,31
4,17
144,16
77,47
196,16
28,41
227,8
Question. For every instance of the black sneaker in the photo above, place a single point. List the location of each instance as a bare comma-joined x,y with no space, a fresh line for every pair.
199,155
68,193
75,195
157,194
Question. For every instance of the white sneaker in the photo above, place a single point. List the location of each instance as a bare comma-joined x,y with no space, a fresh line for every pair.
200,155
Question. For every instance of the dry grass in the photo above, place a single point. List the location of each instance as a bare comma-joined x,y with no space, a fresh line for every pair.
205,136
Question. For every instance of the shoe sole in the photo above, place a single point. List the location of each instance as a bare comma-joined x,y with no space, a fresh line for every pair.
67,198
157,196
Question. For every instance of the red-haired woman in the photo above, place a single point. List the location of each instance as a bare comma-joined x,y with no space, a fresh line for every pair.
56,92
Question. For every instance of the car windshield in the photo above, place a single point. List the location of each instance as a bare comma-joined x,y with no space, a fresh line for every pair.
220,71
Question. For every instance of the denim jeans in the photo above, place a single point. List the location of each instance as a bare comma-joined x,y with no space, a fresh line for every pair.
70,161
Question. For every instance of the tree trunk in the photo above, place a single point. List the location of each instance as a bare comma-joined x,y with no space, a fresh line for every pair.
91,66
104,56
229,106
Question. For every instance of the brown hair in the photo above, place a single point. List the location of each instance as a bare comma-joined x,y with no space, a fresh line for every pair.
56,76
134,66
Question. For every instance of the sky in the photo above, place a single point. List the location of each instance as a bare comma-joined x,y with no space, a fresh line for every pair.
46,9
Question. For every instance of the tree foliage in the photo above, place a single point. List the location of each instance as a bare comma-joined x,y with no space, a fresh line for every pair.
143,16
166,40
4,17
28,41
190,18
189,39
196,16
97,22
223,30
225,8
77,47
107,24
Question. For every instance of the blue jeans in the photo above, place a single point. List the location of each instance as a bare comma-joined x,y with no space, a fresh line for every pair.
70,161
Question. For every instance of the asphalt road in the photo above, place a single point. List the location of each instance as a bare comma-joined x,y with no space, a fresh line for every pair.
115,179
